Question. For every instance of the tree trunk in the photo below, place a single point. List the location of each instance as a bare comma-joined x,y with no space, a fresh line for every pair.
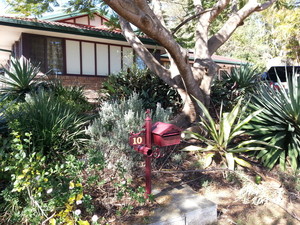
190,81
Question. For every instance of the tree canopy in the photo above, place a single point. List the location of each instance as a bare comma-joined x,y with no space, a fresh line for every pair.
210,23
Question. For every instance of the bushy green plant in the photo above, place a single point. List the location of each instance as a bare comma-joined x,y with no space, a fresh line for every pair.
278,123
71,95
56,127
20,78
37,190
115,121
150,88
239,83
220,141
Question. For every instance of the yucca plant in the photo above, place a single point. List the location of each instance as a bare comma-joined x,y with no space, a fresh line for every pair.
19,79
220,141
278,123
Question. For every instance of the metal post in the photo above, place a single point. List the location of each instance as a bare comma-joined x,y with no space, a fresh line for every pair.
148,127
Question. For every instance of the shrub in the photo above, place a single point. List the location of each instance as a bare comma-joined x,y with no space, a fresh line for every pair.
221,141
56,127
71,95
240,83
37,189
115,121
279,123
150,88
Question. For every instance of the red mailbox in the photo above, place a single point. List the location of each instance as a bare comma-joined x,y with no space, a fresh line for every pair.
159,134
165,134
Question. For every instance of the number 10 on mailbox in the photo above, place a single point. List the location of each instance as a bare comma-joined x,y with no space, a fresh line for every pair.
137,139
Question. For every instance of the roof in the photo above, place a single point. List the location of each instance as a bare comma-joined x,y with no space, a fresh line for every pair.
85,30
217,59
227,60
63,16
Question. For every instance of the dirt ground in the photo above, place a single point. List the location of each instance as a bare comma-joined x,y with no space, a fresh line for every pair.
254,196
242,198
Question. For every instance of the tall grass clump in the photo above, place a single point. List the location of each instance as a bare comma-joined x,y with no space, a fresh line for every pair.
56,127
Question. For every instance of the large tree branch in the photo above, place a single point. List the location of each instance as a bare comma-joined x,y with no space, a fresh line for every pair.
218,8
189,19
146,20
143,52
233,22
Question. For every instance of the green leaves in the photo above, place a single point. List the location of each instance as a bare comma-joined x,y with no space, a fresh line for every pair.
240,83
20,78
56,127
221,137
278,123
150,88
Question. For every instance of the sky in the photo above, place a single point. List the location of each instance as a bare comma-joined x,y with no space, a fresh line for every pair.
3,7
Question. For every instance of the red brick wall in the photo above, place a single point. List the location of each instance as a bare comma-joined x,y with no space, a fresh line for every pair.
89,82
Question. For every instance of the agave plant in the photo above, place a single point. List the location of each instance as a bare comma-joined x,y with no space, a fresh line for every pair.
220,141
279,123
19,79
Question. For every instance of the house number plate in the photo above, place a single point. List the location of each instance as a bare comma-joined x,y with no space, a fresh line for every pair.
135,139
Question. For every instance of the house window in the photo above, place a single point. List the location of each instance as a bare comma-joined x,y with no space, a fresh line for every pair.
38,52
102,59
47,52
127,57
73,57
88,58
115,59
140,63
54,56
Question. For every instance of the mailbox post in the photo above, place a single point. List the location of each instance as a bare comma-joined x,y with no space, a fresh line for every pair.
148,126
159,134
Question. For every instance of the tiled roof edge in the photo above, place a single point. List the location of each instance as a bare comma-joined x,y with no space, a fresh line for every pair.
66,28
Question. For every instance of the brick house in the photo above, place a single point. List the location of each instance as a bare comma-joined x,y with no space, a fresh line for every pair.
78,49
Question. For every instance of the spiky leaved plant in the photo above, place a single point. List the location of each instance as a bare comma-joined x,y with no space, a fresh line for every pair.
220,136
20,78
56,127
278,123
239,83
